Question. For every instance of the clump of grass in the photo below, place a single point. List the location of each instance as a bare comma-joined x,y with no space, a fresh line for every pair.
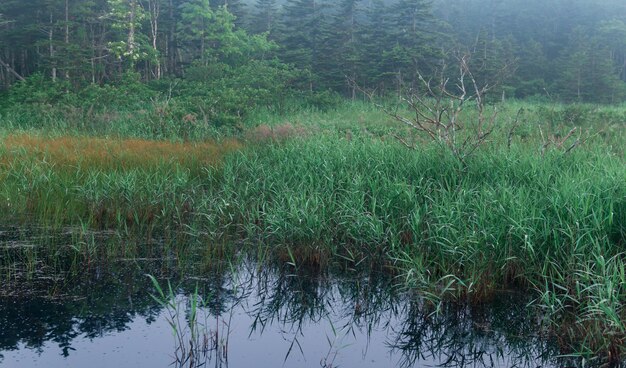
132,186
554,224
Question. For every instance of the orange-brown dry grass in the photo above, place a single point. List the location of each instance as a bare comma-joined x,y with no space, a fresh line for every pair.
100,153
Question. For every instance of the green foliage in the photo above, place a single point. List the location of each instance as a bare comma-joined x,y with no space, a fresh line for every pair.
221,94
570,51
213,35
37,89
233,74
126,18
587,75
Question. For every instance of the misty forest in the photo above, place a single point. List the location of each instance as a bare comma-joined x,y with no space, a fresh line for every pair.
313,183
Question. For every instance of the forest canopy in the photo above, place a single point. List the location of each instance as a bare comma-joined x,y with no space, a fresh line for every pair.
257,52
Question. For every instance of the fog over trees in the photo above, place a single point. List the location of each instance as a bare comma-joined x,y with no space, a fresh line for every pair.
558,49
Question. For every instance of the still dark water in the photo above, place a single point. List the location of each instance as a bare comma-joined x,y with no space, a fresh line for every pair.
255,316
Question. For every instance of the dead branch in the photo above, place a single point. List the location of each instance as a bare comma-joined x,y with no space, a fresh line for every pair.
559,142
11,70
515,125
404,142
436,110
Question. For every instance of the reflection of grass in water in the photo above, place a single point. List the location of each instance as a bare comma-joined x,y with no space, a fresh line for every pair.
460,334
453,334
195,343
286,298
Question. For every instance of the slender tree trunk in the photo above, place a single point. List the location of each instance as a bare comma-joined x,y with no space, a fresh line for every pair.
93,54
51,46
166,58
4,78
203,44
171,43
155,9
268,25
101,56
400,85
131,30
23,59
623,71
353,87
67,37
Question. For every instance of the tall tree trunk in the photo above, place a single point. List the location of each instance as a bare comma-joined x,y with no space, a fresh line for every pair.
203,44
578,84
93,54
131,31
171,42
155,9
67,37
51,46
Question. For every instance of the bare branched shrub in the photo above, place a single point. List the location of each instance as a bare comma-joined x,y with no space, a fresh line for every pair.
437,108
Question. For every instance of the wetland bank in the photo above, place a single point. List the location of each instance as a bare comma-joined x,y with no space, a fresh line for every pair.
186,183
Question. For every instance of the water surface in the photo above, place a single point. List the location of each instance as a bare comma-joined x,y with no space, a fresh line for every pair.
258,316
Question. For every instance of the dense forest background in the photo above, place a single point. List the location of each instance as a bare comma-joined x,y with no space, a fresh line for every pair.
235,54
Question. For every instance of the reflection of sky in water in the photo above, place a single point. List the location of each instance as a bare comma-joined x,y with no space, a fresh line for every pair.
141,345
114,323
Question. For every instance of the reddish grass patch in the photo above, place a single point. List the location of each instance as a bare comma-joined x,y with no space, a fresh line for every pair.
117,153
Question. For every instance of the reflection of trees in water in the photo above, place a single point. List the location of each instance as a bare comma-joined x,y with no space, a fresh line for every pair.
96,300
100,303
109,299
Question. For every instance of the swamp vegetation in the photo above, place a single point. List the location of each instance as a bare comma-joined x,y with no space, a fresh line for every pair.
334,189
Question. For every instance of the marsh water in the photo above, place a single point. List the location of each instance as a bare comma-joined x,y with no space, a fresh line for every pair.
251,314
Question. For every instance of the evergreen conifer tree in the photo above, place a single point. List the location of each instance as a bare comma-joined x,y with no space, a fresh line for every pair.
265,18
236,7
344,60
412,31
302,35
375,41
